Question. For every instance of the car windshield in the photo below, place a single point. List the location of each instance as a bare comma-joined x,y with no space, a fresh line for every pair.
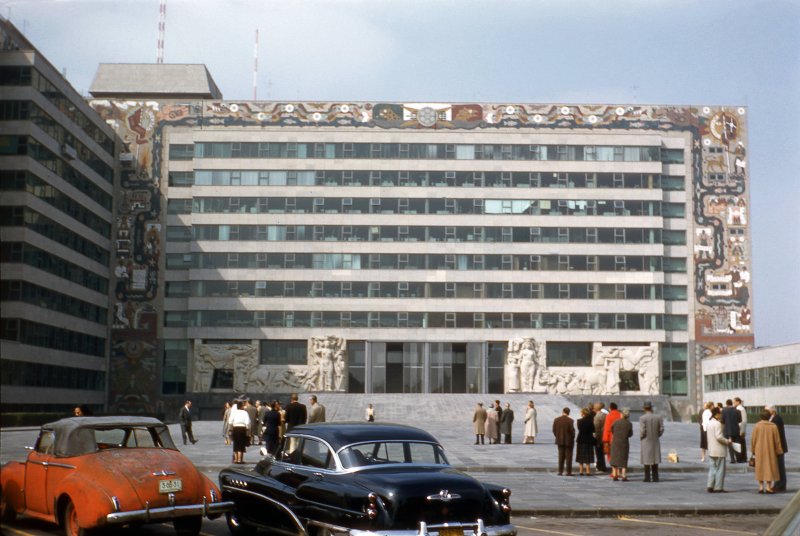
383,452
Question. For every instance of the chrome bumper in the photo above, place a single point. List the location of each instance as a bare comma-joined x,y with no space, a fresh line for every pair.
469,529
170,512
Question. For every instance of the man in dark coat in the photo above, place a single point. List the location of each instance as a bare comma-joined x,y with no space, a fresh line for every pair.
564,430
506,420
296,414
780,485
730,426
185,418
600,413
272,426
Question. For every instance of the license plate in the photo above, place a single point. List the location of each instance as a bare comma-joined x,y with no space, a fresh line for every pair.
170,486
451,531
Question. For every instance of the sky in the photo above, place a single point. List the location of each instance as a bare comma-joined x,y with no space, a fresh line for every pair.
709,52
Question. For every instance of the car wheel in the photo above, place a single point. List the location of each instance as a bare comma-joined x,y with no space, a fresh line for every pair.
237,527
7,513
70,522
188,526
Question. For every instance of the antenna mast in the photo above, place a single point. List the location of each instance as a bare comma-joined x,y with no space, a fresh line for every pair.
255,69
162,21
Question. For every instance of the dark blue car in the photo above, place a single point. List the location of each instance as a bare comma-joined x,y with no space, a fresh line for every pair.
362,479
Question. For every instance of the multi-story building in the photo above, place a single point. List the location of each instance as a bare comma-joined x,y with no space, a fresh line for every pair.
56,182
421,247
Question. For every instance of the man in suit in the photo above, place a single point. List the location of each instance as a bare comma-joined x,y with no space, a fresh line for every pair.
479,423
741,457
730,426
780,485
651,427
317,411
185,418
600,413
296,414
564,430
717,444
506,421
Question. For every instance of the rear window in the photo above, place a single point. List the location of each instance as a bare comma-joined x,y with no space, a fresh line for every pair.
385,452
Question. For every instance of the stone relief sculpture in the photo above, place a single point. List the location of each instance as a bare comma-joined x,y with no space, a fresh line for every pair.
602,378
523,365
326,363
241,358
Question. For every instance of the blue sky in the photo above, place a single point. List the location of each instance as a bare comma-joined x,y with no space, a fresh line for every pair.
710,52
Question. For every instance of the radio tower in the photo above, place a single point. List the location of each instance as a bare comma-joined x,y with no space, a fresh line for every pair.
162,21
255,69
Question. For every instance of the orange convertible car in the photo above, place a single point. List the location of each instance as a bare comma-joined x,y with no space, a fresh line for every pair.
94,472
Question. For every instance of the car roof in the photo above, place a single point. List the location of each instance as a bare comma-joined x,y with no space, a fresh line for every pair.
341,434
74,435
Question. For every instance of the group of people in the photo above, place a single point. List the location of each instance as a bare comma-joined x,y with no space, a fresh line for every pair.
497,421
723,431
245,424
603,435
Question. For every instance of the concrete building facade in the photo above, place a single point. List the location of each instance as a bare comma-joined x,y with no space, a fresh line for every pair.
57,176
270,247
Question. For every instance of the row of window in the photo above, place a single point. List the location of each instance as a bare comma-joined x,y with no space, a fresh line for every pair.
15,290
776,376
427,151
11,180
422,233
413,289
415,319
462,179
411,261
24,374
42,335
46,261
28,76
30,219
405,205
29,111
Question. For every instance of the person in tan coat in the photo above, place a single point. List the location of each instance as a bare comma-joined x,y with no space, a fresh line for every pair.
479,423
765,444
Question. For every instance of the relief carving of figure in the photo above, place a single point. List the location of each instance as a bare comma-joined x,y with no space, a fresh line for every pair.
522,365
242,358
513,366
327,363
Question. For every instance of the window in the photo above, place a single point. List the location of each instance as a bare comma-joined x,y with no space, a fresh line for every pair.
283,352
569,354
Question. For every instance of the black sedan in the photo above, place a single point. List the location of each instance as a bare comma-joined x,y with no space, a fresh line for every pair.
362,479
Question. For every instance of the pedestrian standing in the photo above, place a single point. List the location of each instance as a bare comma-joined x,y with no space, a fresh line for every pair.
272,427
531,426
316,411
651,428
253,431
766,447
730,422
261,410
493,424
776,419
479,417
370,413
621,432
613,416
506,422
564,431
717,452
705,416
185,418
584,455
239,421
296,414
741,456
600,413
226,428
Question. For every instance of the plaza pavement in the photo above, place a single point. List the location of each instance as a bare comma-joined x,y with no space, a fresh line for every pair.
528,470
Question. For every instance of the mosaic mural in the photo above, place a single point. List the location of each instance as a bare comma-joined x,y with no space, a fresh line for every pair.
720,237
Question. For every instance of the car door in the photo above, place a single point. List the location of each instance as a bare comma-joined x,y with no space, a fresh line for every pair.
314,476
36,473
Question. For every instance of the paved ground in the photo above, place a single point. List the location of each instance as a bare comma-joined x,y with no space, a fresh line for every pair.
529,470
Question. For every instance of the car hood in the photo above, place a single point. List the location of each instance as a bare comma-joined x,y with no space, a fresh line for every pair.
431,494
141,470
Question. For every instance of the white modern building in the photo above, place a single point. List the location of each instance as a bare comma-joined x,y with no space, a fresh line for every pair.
269,247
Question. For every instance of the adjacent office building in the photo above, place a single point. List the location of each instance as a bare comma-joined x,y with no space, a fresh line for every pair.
270,247
56,202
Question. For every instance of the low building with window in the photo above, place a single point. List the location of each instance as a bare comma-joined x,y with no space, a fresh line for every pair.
412,247
57,176
761,377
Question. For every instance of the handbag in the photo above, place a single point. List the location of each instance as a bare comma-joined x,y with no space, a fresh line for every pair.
752,461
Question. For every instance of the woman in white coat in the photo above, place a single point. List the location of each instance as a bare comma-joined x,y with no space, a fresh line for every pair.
531,428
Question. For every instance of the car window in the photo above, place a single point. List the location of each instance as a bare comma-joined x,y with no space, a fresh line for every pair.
112,438
141,438
317,454
45,443
392,452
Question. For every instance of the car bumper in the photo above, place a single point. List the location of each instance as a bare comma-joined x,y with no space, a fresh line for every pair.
450,529
169,512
